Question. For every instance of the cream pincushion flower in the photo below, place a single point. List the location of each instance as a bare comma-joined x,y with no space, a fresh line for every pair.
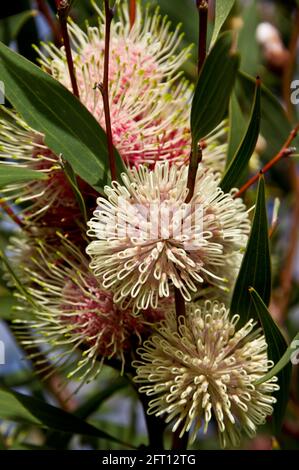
200,366
147,238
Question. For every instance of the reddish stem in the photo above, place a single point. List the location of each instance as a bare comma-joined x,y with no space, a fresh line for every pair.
4,206
196,153
203,10
46,12
195,159
284,152
132,12
105,90
63,8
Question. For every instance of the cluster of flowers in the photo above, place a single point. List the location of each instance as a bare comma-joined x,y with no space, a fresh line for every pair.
90,296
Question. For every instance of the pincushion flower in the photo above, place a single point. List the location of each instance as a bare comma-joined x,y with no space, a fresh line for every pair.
149,105
148,97
64,309
50,201
147,238
201,366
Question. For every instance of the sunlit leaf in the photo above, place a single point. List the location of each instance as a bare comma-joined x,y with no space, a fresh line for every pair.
12,174
247,43
213,89
255,269
237,128
48,107
240,160
222,10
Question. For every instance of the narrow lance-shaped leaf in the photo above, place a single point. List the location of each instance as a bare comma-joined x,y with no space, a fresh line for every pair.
275,125
222,10
236,127
213,89
291,355
247,43
12,174
93,403
18,407
255,269
277,346
239,162
48,107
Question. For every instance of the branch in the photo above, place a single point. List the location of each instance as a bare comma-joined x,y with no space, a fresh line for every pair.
203,10
104,87
132,12
196,154
46,12
195,159
285,151
8,210
63,8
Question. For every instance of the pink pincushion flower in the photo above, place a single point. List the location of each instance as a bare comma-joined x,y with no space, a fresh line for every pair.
69,312
149,103
149,106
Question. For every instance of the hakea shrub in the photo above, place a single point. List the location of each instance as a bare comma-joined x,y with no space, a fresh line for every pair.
107,289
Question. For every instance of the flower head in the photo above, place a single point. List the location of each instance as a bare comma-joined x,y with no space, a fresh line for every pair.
148,97
201,366
147,238
50,201
70,313
149,106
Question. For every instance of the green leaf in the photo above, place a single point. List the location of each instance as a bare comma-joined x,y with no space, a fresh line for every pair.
71,177
291,354
14,276
12,25
255,269
7,302
222,10
247,43
93,403
237,127
23,408
213,89
12,174
277,346
239,162
51,109
275,126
